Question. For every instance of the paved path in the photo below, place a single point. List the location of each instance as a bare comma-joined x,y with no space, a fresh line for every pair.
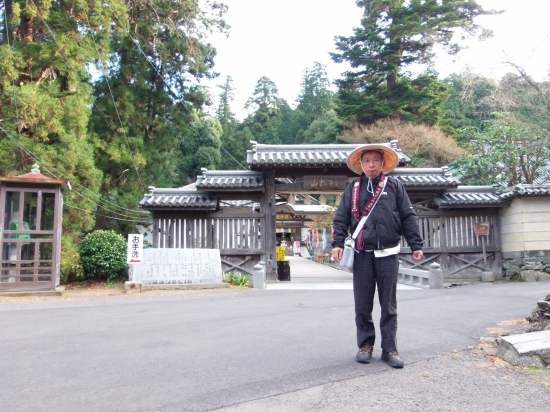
306,274
205,350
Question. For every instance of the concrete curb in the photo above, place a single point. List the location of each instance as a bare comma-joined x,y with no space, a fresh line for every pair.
527,349
24,293
189,286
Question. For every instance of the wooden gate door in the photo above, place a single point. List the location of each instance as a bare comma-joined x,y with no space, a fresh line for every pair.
236,233
450,240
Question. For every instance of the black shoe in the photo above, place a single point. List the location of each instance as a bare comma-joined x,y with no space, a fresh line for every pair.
365,353
393,359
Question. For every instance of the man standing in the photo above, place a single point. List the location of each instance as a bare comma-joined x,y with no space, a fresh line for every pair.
376,262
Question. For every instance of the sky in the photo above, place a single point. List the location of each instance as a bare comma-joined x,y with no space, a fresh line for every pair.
280,39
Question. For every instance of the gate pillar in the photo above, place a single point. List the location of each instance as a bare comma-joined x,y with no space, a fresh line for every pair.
268,210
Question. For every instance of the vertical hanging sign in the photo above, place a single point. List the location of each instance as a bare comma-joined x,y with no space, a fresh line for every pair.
135,249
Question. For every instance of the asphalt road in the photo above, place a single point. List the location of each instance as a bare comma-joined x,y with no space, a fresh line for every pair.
198,351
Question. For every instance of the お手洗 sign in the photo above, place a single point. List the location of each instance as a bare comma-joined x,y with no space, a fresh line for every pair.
135,249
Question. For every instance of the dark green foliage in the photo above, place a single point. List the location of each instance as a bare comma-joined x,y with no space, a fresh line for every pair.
315,99
200,148
70,259
45,97
466,105
103,255
393,35
224,113
292,123
324,130
266,118
505,153
152,78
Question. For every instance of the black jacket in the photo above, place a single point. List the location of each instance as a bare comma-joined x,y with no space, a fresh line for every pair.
392,216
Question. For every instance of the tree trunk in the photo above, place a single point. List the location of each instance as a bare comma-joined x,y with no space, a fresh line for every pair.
27,26
392,78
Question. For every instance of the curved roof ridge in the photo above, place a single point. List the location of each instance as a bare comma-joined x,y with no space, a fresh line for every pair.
421,171
474,189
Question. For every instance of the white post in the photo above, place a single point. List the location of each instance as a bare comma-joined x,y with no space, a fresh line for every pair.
258,277
436,276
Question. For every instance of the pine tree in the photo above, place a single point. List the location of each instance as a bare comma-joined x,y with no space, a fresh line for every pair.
315,99
393,35
266,118
224,113
235,142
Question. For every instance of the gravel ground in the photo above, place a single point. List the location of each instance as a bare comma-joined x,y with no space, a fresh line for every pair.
472,380
466,381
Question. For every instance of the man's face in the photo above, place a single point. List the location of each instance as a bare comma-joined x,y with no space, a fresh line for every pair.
371,162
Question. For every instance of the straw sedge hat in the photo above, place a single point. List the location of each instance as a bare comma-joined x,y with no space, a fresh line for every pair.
391,159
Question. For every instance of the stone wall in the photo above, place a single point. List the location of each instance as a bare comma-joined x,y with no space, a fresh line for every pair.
532,266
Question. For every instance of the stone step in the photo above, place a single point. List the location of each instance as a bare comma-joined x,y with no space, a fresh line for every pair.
526,349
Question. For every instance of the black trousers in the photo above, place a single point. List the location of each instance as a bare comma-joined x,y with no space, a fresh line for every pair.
368,274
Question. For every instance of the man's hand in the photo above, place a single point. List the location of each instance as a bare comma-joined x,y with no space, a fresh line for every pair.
337,254
417,255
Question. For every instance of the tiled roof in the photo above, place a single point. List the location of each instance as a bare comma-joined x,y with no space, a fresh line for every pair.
425,177
525,190
318,155
225,179
470,195
178,198
228,204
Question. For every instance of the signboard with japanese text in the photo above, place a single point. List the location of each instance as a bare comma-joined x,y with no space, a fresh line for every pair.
135,249
482,228
178,266
280,253
325,182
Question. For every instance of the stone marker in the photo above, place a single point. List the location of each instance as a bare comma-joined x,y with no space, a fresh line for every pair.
527,349
177,267
436,276
132,287
487,276
258,278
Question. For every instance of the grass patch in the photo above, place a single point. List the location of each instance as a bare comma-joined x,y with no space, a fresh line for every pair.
539,368
110,285
236,278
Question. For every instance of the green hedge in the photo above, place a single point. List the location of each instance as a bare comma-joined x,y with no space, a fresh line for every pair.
103,255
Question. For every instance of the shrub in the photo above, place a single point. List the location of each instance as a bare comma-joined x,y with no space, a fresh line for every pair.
427,146
103,255
70,258
235,278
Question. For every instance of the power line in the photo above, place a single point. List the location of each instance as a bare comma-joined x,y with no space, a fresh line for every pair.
136,43
59,173
18,142
75,71
97,214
